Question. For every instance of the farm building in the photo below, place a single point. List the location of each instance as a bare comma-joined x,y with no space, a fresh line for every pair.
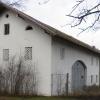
63,64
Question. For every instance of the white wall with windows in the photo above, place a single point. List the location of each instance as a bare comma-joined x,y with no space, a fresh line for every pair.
20,38
65,54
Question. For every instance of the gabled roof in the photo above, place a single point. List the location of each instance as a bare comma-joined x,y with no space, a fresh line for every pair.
49,29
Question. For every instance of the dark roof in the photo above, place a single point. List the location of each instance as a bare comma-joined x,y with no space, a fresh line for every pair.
49,29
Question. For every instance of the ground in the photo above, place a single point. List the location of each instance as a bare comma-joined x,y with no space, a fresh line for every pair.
35,98
48,98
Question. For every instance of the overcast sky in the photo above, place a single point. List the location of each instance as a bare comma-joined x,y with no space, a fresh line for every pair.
54,13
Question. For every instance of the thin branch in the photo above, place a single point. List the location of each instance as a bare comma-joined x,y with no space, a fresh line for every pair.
80,21
86,14
44,2
16,3
75,7
90,25
94,7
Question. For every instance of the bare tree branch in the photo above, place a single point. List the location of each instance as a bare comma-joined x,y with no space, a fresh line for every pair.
15,3
75,7
91,26
43,2
84,14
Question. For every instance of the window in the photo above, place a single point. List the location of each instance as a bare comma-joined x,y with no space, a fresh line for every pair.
6,29
91,79
28,53
7,15
96,78
29,28
5,54
92,59
62,53
97,61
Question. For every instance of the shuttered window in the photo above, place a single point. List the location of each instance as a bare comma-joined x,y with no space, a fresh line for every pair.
5,54
6,29
28,53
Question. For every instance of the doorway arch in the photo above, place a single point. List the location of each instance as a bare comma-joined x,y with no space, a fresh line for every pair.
79,73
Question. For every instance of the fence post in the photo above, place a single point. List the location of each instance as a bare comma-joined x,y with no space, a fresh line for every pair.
51,84
99,71
60,84
67,79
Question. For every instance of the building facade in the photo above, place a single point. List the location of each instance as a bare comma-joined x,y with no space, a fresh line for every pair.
63,64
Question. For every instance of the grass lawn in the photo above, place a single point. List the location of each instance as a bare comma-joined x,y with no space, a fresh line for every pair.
35,98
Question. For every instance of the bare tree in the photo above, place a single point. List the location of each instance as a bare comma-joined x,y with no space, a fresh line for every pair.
18,78
15,3
83,11
19,3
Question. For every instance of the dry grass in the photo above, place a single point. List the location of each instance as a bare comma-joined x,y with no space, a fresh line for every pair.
50,98
35,98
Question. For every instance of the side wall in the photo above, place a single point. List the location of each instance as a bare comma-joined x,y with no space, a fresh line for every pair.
19,38
63,65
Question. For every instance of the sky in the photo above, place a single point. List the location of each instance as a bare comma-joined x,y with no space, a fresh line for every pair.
53,13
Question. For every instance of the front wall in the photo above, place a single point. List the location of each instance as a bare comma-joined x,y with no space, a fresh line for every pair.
19,38
72,54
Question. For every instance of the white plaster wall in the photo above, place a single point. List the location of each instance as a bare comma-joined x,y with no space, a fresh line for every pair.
72,54
19,38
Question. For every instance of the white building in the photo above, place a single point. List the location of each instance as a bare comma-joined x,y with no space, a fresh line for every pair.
64,64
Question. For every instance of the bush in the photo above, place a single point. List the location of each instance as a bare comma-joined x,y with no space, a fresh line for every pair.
92,90
18,78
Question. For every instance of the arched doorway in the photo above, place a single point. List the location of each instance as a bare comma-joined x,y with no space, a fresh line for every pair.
78,76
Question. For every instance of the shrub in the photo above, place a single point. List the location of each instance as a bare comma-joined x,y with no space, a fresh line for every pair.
18,78
92,90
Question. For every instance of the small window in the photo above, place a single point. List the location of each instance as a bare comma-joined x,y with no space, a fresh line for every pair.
92,59
28,53
97,61
29,28
6,29
62,53
5,54
91,79
7,15
96,78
